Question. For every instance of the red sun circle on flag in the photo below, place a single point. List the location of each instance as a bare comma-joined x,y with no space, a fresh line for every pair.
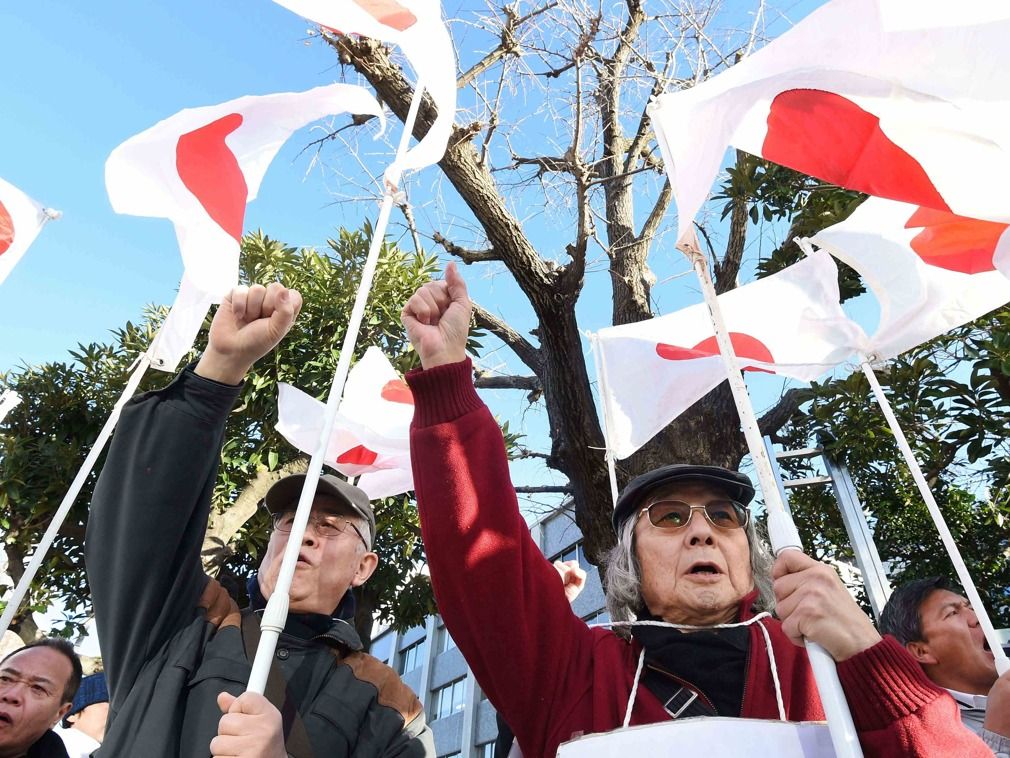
830,137
358,456
744,345
6,230
397,391
955,243
209,169
387,12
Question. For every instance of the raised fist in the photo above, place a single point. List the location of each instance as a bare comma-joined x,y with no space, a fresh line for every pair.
437,319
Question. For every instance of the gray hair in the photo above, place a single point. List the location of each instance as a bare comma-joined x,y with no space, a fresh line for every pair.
624,573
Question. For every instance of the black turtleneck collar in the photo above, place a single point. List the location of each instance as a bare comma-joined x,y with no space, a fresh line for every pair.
309,625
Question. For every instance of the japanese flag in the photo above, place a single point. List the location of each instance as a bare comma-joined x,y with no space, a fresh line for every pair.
789,324
9,400
416,27
930,270
178,332
371,433
21,219
902,99
201,166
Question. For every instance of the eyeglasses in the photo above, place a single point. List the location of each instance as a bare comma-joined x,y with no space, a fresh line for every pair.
675,514
325,526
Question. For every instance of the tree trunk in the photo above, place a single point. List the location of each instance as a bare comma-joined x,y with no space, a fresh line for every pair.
224,525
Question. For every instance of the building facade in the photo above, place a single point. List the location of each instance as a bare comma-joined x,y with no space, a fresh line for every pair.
461,718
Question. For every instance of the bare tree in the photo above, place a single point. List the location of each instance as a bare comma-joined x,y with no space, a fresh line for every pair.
561,132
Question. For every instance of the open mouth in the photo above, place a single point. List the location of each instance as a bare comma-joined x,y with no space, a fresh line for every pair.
5,719
703,568
985,646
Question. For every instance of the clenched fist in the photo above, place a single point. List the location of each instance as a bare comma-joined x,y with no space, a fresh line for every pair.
248,324
437,319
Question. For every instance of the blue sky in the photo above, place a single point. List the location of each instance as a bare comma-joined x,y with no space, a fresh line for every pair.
82,79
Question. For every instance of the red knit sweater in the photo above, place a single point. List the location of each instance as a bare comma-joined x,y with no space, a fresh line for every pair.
549,675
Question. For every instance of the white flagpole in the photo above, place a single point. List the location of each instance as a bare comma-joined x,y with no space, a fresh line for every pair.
781,530
1002,663
601,378
9,400
276,613
19,593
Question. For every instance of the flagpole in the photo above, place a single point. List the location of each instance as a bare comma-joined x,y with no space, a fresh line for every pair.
9,400
601,377
276,613
781,530
1002,663
21,590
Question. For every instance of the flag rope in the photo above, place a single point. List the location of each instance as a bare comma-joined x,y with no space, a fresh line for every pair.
1002,663
781,530
21,590
276,612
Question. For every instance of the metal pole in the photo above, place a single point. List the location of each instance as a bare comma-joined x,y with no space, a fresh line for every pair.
781,530
9,400
19,593
276,613
1002,663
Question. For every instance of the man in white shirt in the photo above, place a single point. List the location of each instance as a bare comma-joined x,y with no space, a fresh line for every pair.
941,631
84,725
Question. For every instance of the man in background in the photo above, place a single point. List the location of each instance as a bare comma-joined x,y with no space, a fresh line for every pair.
941,631
84,725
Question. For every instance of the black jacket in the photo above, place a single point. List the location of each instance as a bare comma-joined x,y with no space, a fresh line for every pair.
172,638
49,745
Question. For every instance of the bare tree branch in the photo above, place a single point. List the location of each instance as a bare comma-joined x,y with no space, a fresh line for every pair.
519,344
509,44
656,214
777,416
465,255
559,488
485,380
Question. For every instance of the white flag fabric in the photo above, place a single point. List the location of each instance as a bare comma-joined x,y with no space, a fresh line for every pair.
789,324
9,400
930,270
179,329
901,99
371,433
416,26
21,219
201,166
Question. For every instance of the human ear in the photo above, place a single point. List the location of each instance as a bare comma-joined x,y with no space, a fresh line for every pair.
921,652
367,564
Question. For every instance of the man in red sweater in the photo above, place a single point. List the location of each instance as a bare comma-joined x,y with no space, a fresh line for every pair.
687,554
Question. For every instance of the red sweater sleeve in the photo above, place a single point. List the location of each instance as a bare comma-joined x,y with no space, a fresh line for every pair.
501,600
897,710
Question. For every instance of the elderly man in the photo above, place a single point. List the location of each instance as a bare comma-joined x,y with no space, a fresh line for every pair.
37,687
687,554
940,629
177,651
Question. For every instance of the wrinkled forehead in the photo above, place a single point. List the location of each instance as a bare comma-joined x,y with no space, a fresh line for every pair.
693,491
39,664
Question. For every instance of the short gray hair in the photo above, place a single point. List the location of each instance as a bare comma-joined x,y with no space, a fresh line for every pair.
624,573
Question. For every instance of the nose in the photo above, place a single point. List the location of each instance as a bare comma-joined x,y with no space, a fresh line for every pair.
699,530
11,693
310,537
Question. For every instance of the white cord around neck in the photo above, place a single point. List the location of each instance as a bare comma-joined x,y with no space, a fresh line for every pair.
692,628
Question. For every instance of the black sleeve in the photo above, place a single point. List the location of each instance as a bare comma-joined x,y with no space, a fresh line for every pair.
148,518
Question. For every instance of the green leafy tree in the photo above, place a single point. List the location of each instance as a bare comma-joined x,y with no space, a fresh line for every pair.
46,438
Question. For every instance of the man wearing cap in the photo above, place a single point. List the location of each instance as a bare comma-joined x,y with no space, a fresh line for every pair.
176,648
687,554
84,725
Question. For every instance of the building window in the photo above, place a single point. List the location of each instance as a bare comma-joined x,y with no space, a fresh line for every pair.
485,750
597,617
410,657
448,700
574,552
445,640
